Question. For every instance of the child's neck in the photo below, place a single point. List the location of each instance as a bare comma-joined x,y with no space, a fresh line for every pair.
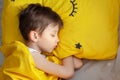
33,46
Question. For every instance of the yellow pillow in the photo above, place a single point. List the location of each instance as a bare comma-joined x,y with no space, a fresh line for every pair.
90,26
90,30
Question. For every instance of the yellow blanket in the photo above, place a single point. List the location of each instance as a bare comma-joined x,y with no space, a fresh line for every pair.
19,64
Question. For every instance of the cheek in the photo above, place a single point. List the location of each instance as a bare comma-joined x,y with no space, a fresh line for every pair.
47,41
46,45
47,38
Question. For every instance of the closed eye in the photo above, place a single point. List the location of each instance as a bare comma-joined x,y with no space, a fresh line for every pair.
52,35
74,7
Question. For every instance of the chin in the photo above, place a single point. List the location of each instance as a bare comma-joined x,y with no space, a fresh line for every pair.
50,50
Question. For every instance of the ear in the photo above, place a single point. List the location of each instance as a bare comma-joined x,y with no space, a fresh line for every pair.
33,36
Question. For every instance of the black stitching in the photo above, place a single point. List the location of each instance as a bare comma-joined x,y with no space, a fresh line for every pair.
74,8
78,45
13,0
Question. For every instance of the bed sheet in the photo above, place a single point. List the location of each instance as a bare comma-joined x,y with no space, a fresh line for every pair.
99,70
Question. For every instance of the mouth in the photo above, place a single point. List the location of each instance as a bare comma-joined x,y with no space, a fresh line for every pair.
55,46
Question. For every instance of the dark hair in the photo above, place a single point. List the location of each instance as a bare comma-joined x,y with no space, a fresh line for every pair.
37,17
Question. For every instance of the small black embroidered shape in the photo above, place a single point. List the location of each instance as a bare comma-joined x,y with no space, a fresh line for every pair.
74,5
78,45
13,0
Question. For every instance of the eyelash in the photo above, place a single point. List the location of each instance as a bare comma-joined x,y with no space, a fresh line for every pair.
52,35
74,7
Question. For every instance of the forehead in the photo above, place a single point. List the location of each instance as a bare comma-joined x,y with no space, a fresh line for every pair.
52,27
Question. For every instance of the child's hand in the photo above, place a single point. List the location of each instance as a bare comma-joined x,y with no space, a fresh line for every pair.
77,63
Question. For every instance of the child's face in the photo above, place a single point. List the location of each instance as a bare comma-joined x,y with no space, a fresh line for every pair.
49,38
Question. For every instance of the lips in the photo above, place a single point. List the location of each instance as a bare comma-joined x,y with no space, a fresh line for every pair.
55,46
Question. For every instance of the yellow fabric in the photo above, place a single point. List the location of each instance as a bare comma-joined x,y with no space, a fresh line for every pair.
94,26
91,23
19,64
